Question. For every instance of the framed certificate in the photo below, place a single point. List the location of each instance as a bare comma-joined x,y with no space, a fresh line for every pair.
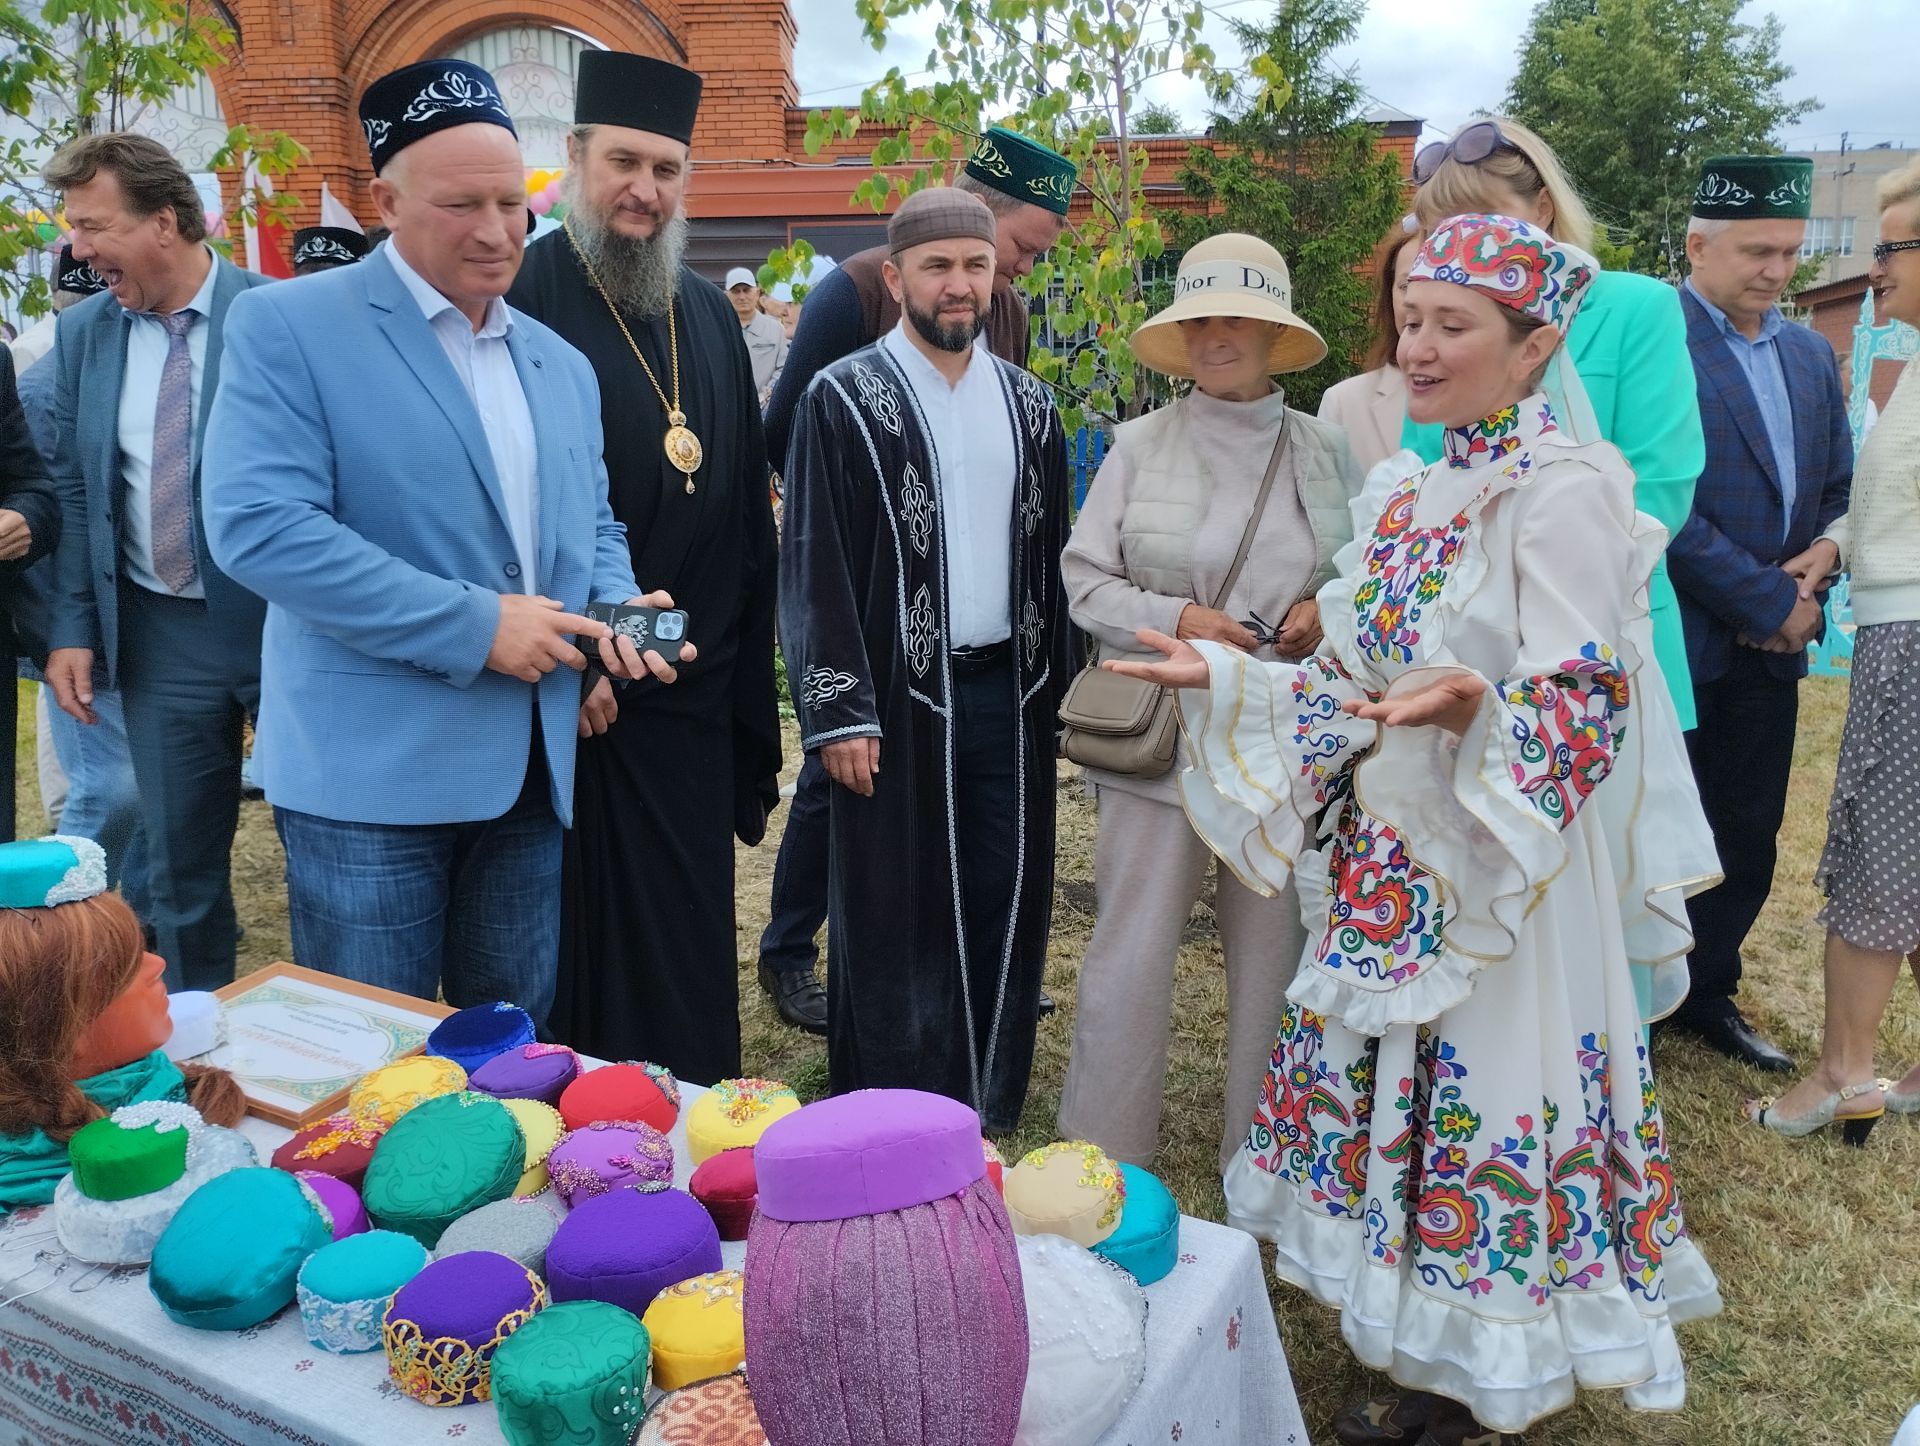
298,1040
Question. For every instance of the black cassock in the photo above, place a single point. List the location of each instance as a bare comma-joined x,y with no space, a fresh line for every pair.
648,959
863,622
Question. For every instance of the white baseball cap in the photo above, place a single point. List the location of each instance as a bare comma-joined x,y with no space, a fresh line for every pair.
740,276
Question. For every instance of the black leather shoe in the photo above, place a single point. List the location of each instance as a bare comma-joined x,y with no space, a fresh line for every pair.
1047,1006
1731,1035
798,997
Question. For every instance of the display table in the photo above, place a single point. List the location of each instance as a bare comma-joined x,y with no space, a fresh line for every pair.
87,1357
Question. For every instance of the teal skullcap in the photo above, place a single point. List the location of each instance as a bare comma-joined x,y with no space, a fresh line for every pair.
1754,188
59,869
1024,170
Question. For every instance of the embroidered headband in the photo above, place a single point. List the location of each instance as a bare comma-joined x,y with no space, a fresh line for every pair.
1511,262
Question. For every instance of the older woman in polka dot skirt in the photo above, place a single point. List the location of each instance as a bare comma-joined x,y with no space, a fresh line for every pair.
1871,867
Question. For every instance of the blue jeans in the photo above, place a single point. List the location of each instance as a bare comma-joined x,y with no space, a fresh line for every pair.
102,803
412,907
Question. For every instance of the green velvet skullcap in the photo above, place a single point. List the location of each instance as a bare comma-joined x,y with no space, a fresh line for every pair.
117,1162
1023,169
1755,188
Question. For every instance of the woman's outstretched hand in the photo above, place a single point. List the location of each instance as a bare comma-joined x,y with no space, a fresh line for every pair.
1449,703
1184,667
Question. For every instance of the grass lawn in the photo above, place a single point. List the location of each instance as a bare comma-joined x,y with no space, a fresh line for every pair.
1816,1245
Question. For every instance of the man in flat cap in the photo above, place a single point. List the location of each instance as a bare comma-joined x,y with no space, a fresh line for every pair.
321,248
1751,564
927,641
668,780
426,526
1028,188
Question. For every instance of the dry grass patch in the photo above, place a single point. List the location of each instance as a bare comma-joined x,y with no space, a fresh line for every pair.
1815,1244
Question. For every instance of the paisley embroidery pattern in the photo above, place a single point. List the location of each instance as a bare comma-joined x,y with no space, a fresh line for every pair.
917,504
455,90
823,685
1385,916
1406,571
920,631
878,393
1568,727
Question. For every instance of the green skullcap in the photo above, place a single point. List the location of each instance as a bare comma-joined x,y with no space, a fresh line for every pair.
1023,169
1755,188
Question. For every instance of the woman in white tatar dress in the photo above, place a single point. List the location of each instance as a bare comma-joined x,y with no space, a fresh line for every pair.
1480,786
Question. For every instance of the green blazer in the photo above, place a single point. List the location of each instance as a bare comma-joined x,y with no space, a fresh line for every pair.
1629,343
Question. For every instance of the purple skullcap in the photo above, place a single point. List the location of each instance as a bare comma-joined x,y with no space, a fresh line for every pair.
866,1153
939,213
908,1327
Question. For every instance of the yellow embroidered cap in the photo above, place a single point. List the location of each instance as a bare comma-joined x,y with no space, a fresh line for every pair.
543,1127
698,1329
736,1113
1069,1188
389,1092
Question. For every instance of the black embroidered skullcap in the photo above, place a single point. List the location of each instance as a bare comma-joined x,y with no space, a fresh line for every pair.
328,245
76,276
614,88
412,103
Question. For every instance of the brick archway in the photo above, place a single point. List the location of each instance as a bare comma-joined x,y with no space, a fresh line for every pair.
380,38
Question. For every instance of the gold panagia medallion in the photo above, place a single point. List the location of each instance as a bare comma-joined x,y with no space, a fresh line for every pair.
683,448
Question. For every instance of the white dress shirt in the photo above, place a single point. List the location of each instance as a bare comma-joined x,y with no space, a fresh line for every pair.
139,394
485,367
974,453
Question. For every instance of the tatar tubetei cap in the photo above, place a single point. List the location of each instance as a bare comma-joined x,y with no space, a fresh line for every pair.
867,1153
415,101
1754,188
328,246
58,869
576,1372
472,1036
939,213
1023,169
614,88
76,275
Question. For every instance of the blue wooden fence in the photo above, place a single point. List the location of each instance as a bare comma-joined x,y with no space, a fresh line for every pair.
1089,448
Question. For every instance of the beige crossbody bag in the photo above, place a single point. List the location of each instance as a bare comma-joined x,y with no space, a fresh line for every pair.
1128,725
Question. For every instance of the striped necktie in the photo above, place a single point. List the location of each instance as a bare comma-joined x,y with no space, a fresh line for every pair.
171,501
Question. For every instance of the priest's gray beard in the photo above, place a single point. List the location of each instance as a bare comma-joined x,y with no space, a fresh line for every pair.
640,275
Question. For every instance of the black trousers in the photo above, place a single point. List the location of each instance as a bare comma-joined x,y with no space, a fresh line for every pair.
799,905
1742,755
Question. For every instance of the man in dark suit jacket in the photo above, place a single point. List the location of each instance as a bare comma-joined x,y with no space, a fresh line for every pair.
29,528
1749,565
136,593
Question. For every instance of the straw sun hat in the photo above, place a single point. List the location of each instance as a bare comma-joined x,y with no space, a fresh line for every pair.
1230,275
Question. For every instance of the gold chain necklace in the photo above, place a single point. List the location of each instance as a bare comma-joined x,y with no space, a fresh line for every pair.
682,447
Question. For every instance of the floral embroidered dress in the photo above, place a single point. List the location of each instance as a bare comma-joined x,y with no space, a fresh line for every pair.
1459,1144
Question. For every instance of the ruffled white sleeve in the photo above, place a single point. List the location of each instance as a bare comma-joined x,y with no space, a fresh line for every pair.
1269,744
1485,813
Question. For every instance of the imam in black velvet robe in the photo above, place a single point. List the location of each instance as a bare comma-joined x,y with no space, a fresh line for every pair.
863,621
648,959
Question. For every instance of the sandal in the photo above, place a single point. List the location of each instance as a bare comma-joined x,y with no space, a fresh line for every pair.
1854,1127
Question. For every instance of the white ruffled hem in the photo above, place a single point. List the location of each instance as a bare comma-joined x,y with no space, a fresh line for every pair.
1509,1373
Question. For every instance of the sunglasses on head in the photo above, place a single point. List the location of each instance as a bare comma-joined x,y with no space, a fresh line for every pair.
1883,249
1472,146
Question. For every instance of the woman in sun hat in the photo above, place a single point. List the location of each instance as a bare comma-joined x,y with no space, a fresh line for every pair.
1156,547
1489,818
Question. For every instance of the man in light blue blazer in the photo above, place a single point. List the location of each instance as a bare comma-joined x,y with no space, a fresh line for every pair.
137,601
410,473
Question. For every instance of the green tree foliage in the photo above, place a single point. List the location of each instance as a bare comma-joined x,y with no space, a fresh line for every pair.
1067,72
1307,176
73,67
1633,94
1158,120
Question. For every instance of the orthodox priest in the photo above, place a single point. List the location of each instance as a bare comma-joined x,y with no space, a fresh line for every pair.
667,778
923,619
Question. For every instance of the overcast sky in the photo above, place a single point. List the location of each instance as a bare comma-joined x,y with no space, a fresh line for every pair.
1856,56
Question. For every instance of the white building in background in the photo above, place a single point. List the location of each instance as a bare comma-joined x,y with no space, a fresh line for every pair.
1844,213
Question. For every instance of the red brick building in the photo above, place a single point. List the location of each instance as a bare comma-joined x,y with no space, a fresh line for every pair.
1833,310
301,66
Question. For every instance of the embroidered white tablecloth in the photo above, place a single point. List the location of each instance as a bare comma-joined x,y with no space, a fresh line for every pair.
87,1357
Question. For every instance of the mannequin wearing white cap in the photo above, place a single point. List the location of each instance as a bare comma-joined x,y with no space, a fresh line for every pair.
765,337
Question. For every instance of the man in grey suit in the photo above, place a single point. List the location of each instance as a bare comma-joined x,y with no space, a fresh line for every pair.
136,594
